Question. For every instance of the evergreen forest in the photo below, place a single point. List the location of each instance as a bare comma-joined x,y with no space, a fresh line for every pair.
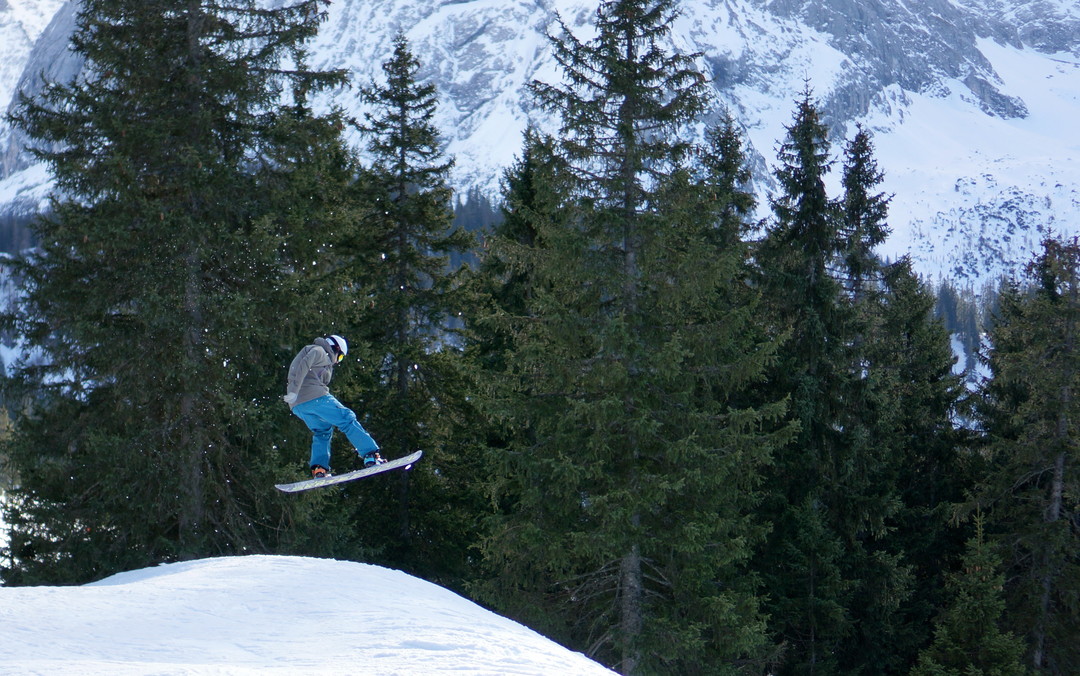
658,429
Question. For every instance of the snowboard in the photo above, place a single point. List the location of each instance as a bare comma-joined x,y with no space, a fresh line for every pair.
405,462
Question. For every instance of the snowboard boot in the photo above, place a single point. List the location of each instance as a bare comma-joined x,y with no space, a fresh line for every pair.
319,472
372,458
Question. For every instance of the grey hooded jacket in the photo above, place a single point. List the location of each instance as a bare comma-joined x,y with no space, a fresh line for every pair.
311,371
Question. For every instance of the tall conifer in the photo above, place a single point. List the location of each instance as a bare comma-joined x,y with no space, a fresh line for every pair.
862,349
1030,412
406,304
911,358
802,562
151,295
503,284
630,499
903,397
863,214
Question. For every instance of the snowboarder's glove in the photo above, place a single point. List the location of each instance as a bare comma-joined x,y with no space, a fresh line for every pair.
289,398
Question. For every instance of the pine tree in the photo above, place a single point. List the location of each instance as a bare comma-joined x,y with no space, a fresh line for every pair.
917,437
905,399
967,639
409,230
310,184
506,271
802,561
406,305
142,436
871,396
503,298
867,372
1028,412
630,488
863,215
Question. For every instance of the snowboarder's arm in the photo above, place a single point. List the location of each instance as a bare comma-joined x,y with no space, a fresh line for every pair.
300,368
312,358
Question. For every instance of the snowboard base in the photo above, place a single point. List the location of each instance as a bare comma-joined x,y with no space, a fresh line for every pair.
397,463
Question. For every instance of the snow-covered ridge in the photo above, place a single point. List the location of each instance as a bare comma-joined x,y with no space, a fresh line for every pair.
267,614
978,193
21,24
973,102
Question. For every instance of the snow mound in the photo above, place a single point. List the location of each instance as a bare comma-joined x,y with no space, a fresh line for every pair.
267,614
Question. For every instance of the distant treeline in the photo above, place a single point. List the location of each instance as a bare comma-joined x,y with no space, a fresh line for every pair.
15,234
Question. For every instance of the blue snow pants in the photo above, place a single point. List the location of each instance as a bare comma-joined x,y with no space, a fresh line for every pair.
321,416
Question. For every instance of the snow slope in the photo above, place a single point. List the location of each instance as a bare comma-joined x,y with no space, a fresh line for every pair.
975,194
267,614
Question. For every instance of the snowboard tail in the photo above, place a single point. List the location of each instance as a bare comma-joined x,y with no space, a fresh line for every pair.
405,462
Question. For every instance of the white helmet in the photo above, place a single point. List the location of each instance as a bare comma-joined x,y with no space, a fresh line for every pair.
339,344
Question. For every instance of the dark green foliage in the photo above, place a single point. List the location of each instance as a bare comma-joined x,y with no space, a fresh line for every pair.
918,441
410,386
868,373
808,498
408,236
862,215
968,640
311,186
502,291
506,271
1031,492
695,454
904,399
143,432
631,469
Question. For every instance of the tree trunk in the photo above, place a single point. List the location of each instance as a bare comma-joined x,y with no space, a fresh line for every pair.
1057,484
1053,514
631,592
190,447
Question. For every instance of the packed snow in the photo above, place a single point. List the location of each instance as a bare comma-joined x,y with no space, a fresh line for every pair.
267,614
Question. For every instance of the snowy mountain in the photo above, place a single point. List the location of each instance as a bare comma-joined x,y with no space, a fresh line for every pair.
21,24
267,614
973,102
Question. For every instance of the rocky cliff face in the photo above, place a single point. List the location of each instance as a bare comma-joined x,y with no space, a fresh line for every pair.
1049,26
913,45
24,186
973,102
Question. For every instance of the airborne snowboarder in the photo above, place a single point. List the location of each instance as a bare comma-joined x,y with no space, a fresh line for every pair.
308,396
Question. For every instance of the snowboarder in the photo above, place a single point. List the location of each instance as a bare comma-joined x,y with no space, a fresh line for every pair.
308,396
